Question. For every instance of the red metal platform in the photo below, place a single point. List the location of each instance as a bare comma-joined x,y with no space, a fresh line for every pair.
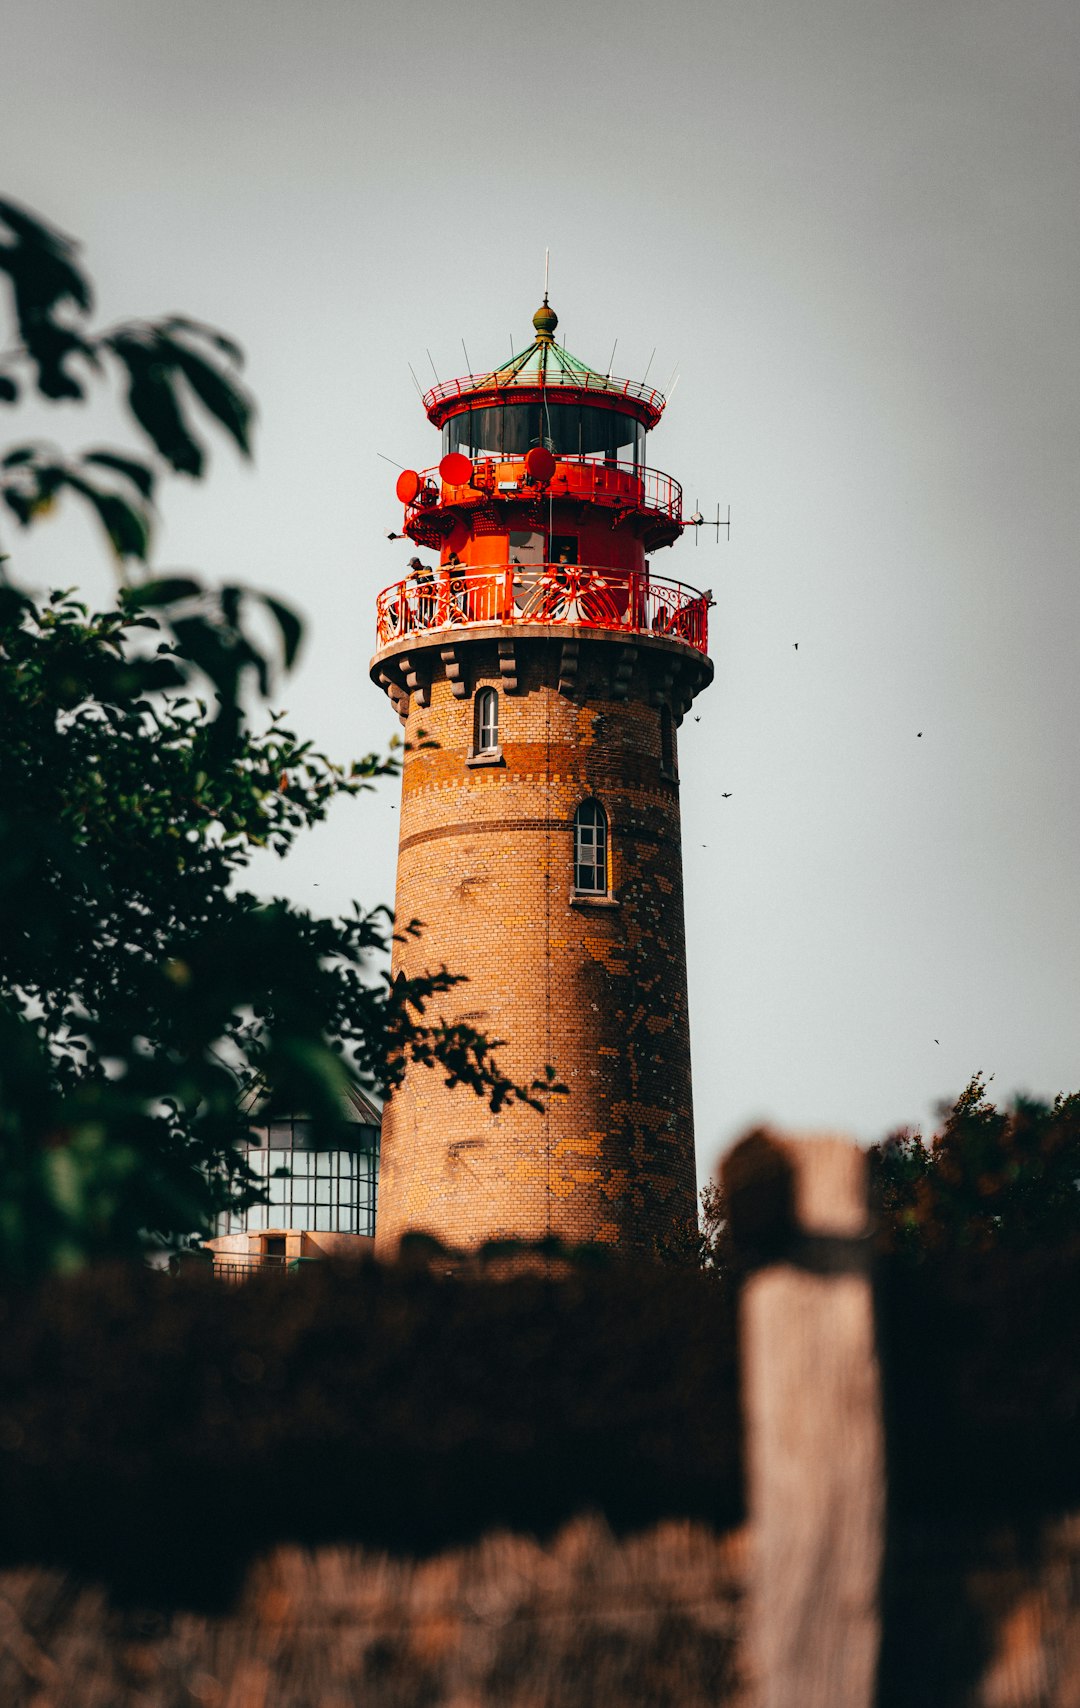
516,595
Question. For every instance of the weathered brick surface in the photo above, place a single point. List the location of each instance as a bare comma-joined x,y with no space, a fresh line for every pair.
599,992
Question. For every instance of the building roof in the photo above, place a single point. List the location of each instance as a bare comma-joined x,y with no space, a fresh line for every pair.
357,1108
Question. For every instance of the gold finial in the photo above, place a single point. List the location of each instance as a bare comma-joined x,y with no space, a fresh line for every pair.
545,320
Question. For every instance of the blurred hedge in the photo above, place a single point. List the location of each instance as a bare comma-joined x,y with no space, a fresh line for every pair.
158,1431
982,1365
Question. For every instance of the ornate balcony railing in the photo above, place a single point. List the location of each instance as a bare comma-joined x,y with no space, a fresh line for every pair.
520,594
595,478
555,379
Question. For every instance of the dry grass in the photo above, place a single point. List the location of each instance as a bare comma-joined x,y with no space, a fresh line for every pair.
587,1620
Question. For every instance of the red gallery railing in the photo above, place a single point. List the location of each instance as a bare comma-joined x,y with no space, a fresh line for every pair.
515,594
479,386
594,478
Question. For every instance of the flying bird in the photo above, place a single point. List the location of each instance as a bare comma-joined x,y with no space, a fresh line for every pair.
697,720
795,644
726,797
920,735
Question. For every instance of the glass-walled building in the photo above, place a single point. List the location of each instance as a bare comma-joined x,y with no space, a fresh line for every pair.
321,1203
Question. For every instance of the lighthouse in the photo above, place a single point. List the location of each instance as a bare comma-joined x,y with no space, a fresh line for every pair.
541,667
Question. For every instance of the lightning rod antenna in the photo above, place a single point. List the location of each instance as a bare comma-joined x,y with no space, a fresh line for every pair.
469,364
438,381
648,365
547,265
415,381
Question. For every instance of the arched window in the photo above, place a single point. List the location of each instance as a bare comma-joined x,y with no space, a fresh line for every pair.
486,735
590,849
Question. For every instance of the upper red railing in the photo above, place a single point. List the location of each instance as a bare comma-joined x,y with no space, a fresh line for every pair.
555,379
515,594
595,478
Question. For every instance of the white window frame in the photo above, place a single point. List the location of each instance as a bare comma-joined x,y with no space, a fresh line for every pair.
486,726
591,849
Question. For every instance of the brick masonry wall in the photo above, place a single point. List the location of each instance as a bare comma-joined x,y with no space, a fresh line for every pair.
597,991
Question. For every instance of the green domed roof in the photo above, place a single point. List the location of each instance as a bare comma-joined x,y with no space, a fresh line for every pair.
544,364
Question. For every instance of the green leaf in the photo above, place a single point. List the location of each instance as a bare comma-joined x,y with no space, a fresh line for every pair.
9,391
152,399
167,590
21,507
231,598
13,605
227,402
139,474
227,346
292,629
44,257
15,459
128,528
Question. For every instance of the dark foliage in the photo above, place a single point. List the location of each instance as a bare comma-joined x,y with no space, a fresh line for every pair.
991,1179
158,1431
982,1355
165,368
981,1358
142,993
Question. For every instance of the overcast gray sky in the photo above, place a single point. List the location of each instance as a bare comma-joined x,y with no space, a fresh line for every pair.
854,229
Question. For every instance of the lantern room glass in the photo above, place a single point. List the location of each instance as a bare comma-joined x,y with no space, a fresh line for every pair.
567,429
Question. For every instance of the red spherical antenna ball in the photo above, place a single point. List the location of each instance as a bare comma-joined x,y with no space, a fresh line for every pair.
540,464
408,485
456,468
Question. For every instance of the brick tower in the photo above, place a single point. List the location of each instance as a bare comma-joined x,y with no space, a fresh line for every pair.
541,670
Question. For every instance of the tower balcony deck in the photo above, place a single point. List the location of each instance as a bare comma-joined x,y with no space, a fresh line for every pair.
517,596
620,486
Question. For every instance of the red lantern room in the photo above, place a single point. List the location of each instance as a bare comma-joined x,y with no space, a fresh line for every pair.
542,508
541,670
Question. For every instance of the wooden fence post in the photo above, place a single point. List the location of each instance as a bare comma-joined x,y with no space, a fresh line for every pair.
813,1419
